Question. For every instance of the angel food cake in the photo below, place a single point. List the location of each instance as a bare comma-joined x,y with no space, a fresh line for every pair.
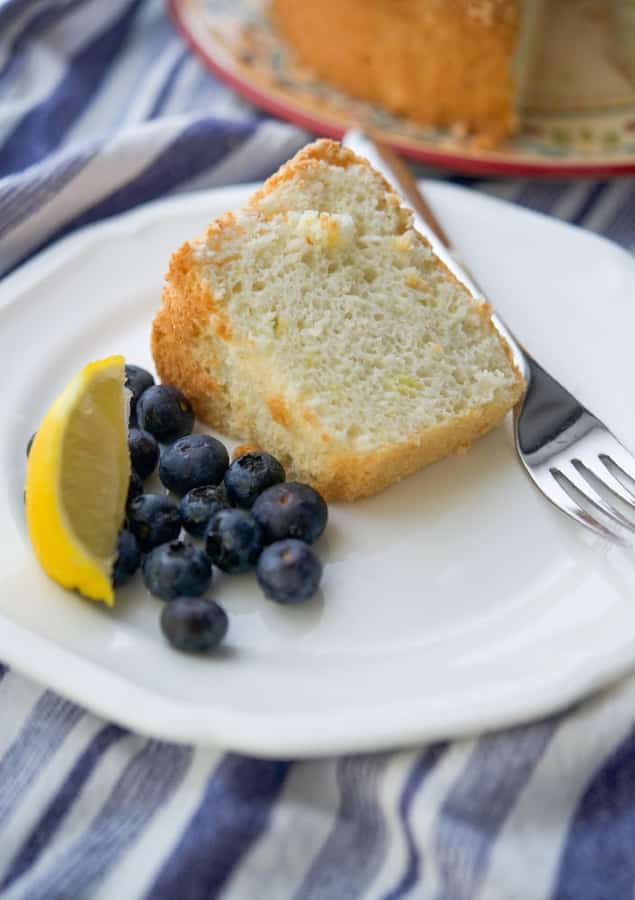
474,65
318,325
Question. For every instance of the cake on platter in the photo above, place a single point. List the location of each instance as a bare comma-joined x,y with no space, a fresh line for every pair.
477,67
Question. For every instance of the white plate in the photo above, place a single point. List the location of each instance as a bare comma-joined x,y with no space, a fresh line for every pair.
456,601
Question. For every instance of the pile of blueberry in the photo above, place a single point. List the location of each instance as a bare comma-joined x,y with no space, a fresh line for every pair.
239,516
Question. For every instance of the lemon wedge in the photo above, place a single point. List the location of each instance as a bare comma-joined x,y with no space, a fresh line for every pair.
78,473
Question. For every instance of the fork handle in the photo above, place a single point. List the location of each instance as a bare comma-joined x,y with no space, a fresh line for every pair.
397,173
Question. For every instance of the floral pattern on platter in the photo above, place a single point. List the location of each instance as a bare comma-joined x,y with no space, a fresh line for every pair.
236,38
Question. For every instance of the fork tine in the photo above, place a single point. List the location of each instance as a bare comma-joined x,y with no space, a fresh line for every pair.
573,478
623,462
612,494
569,503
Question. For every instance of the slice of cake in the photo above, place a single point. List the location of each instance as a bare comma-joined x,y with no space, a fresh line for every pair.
317,324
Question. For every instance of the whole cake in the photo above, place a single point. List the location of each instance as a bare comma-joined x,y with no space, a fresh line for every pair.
469,65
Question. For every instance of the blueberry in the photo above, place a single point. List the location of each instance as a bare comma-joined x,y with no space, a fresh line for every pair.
233,540
289,571
135,488
153,519
193,624
191,462
30,443
199,505
138,380
144,452
128,558
249,475
165,412
175,570
290,510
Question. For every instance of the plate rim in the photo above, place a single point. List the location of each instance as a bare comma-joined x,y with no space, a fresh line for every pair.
272,735
459,161
141,710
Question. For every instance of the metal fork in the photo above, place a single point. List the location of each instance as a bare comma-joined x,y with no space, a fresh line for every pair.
569,454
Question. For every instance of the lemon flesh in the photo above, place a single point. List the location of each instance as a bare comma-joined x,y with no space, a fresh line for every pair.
78,473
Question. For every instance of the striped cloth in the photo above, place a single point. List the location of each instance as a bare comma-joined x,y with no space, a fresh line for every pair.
102,108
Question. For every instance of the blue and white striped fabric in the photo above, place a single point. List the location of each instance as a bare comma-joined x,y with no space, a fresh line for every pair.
102,108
